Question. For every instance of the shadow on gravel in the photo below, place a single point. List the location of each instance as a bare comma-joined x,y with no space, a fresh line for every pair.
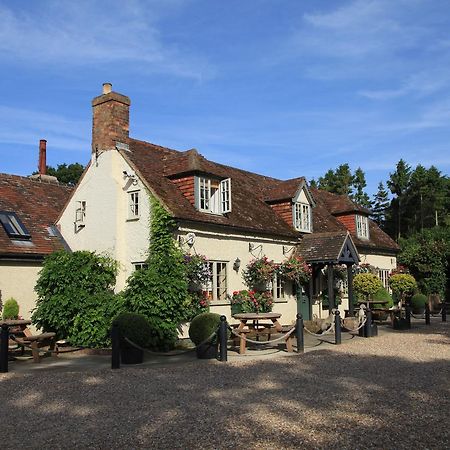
322,399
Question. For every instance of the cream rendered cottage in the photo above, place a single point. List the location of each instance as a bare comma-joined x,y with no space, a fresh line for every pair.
229,215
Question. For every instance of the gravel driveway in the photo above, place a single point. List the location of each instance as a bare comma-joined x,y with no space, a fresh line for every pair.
389,392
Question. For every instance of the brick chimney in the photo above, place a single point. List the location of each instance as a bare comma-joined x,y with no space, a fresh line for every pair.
42,167
111,119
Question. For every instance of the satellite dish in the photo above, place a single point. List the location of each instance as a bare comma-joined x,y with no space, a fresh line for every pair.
190,239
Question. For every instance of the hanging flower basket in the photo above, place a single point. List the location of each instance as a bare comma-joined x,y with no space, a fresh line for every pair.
259,273
251,302
296,269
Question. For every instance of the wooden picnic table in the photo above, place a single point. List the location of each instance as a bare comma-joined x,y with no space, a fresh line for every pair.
258,324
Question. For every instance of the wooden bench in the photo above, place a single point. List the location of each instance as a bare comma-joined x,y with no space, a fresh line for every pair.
36,342
262,331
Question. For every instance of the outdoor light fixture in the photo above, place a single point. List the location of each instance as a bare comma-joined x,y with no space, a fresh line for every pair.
130,176
236,264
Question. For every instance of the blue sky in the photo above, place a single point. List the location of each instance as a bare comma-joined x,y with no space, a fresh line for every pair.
284,88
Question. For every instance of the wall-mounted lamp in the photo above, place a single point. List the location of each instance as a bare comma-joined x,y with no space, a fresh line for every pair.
130,176
236,264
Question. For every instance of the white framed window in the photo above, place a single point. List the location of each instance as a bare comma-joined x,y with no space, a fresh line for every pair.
362,227
216,288
383,275
302,217
278,288
80,212
13,226
213,196
140,266
133,205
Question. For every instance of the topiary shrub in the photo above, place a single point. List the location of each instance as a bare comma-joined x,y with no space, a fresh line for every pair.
366,285
203,326
418,302
10,309
135,327
91,327
402,285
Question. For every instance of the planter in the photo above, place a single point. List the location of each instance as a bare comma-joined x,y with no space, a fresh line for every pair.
418,311
131,355
207,351
401,324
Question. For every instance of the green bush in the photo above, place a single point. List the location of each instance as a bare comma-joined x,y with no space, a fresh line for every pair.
382,295
135,327
10,309
65,286
160,291
92,326
366,285
203,326
402,284
418,301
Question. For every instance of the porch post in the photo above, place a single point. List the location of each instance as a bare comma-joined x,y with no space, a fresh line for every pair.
331,304
350,289
311,290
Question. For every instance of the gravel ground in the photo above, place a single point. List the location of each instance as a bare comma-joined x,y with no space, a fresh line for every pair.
389,392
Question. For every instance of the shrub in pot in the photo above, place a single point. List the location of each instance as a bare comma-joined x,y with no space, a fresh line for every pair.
10,309
137,329
201,328
418,302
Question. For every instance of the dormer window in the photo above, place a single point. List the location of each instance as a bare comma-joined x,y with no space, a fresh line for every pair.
302,217
13,226
362,227
212,195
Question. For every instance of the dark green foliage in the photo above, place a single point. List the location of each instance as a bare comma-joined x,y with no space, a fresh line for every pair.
66,283
92,326
380,205
10,309
427,255
382,295
68,174
160,291
418,301
359,183
135,327
203,326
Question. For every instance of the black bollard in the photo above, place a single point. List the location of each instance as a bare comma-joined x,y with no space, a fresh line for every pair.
223,338
4,349
408,315
337,328
115,354
427,314
299,334
368,325
444,312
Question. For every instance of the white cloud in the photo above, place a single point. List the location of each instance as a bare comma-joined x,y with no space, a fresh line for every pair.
85,33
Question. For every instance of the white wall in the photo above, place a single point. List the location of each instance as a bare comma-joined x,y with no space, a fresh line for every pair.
17,279
227,247
107,227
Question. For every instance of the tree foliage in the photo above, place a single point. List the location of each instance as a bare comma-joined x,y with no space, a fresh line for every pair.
160,291
66,286
68,174
366,284
380,205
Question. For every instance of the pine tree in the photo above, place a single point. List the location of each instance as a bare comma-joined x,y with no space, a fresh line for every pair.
359,183
380,205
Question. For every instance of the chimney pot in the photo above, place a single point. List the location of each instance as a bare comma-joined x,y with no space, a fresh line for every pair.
42,157
107,88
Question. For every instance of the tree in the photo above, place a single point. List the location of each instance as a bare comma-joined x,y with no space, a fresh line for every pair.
398,184
359,183
68,174
339,181
380,205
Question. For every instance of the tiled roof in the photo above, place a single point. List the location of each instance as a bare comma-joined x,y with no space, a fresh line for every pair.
37,204
338,204
250,192
322,246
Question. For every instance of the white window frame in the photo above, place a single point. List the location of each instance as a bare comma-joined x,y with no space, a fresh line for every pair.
140,266
302,213
216,289
362,226
80,212
134,206
383,275
278,288
213,196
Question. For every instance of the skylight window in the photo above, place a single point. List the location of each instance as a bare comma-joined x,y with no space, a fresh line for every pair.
13,226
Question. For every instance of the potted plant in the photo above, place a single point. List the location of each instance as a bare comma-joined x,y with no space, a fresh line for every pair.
402,285
295,269
366,285
136,328
10,309
380,310
259,273
251,302
418,302
201,328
